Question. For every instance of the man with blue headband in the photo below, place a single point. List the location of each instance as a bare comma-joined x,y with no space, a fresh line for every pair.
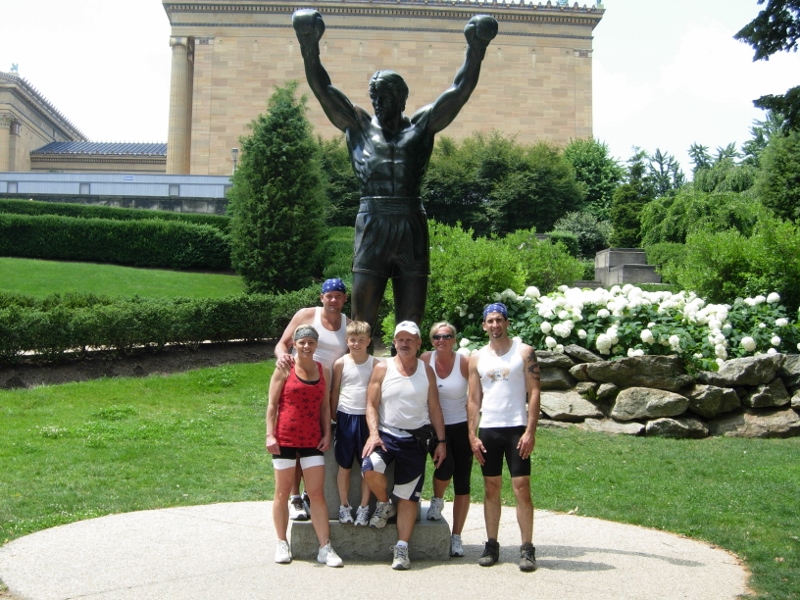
504,390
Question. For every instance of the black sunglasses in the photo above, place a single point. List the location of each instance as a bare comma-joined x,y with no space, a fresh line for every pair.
443,336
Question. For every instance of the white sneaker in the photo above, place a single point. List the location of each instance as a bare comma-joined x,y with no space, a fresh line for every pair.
435,509
297,511
283,555
327,556
383,512
401,561
456,549
345,514
362,516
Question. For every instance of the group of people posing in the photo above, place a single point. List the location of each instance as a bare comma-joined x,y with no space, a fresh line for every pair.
400,410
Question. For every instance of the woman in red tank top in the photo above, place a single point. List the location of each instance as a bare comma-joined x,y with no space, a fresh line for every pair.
299,429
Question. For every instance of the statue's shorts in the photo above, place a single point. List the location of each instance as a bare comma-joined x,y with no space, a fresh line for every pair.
391,237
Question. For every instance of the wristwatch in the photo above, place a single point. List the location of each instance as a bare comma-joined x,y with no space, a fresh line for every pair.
441,441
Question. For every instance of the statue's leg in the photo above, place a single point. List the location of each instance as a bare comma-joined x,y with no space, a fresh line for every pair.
410,292
366,297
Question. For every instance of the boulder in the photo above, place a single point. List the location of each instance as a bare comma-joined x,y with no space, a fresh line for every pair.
682,428
767,396
647,403
789,371
661,372
777,423
587,389
612,426
579,372
710,401
750,370
556,379
581,354
557,360
607,392
568,406
796,401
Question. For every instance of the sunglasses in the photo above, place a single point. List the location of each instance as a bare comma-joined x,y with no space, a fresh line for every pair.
443,336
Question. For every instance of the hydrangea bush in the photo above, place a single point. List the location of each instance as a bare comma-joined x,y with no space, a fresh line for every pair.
627,321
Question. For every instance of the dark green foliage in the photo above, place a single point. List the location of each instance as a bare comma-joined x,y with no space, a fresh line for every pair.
86,211
592,233
492,184
568,239
598,171
626,209
344,189
278,199
723,172
138,243
776,29
778,185
545,264
667,258
665,173
338,254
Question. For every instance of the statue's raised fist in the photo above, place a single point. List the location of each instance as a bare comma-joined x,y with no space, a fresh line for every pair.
480,30
308,25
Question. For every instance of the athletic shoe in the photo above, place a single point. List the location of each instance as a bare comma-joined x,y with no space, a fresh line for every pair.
456,549
283,555
345,514
527,557
297,511
401,561
491,554
327,556
435,509
362,516
383,512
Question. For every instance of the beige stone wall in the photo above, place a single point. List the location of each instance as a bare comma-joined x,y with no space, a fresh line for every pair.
535,82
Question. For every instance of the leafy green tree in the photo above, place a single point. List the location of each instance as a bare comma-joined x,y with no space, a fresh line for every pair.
544,264
665,172
723,172
592,233
598,171
278,199
343,189
776,29
762,132
778,184
626,206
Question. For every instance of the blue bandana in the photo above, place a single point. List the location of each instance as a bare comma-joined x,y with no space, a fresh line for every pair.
497,307
334,285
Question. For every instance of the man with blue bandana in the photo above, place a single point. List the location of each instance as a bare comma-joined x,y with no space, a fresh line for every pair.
504,396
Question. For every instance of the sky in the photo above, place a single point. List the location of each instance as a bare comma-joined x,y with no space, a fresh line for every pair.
666,74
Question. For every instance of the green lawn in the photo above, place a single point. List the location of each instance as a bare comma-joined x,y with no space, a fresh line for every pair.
42,277
82,450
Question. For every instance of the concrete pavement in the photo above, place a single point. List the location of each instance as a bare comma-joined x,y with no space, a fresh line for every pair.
225,552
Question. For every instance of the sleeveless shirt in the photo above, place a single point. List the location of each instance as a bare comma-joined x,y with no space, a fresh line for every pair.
331,344
452,392
355,379
404,400
299,424
503,382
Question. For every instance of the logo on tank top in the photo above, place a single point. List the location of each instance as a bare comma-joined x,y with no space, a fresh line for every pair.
498,374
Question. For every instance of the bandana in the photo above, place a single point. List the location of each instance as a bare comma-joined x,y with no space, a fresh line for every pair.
304,331
497,307
334,285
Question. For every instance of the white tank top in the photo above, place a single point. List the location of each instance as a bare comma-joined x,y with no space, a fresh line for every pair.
331,344
452,392
353,390
503,382
404,400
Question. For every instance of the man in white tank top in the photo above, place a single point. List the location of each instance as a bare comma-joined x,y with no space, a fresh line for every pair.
331,325
504,386
401,397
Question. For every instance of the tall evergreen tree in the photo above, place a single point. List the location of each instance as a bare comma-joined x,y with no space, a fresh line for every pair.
598,171
278,199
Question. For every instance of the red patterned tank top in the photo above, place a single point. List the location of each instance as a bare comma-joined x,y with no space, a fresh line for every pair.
299,408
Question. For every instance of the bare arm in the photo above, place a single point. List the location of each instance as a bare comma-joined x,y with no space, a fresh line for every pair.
309,28
533,390
436,417
480,31
336,384
373,405
325,412
475,395
283,349
275,387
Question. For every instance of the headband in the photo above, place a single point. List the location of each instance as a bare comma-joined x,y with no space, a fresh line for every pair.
497,307
304,331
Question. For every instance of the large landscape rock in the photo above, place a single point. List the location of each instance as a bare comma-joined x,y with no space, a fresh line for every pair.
556,379
581,354
790,371
681,428
662,372
710,401
612,426
766,396
779,423
568,406
557,360
647,403
750,370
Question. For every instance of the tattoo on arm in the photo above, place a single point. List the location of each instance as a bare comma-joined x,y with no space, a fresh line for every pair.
533,366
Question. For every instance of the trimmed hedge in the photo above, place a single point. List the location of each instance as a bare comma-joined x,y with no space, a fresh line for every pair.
50,328
86,211
138,243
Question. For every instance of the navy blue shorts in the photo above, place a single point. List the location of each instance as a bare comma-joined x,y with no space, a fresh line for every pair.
501,442
409,468
351,435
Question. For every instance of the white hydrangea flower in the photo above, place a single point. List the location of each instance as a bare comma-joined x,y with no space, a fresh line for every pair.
582,334
603,313
635,352
647,336
762,325
773,298
563,315
464,343
550,342
464,351
546,327
720,351
749,302
720,362
772,351
603,344
760,299
749,343
675,341
781,322
775,341
559,348
532,292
